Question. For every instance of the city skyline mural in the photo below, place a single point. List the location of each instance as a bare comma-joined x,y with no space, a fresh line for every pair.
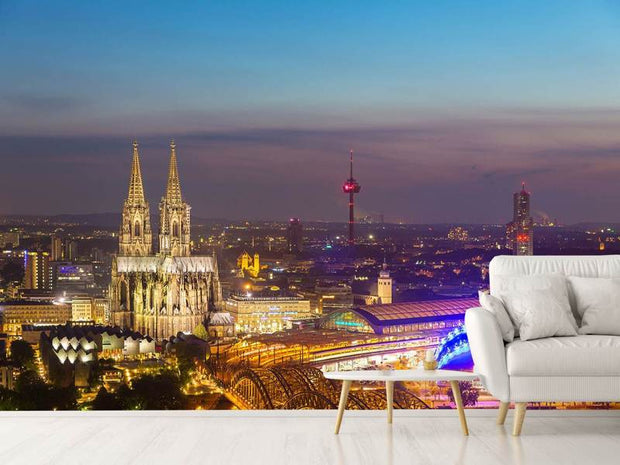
209,207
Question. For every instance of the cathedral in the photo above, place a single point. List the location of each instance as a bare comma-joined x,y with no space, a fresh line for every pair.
160,294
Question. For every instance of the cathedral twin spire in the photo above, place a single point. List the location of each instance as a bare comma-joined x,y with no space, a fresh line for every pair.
136,189
173,188
135,237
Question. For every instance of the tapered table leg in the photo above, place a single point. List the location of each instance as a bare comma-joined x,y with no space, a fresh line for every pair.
389,396
456,391
344,395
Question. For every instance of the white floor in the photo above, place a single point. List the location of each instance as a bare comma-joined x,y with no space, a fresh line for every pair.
300,438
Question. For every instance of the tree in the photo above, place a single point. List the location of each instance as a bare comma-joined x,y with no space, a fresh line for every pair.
34,394
153,392
22,354
469,394
8,399
187,356
28,379
201,332
106,401
12,272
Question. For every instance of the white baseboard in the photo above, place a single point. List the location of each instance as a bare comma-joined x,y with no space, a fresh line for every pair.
471,413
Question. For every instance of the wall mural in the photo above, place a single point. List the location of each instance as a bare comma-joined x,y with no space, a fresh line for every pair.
248,315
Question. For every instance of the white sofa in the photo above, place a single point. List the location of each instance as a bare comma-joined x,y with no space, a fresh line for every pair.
583,368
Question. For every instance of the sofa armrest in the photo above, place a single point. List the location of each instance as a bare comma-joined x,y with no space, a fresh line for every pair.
487,350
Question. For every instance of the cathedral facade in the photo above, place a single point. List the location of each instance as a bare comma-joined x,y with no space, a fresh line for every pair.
171,291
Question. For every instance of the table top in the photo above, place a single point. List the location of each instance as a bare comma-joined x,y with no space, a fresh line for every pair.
401,375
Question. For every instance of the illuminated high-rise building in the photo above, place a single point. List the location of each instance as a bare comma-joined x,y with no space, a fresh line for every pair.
295,235
351,187
71,250
520,231
56,248
38,273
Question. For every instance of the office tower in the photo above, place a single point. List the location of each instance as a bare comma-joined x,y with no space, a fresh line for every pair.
295,235
56,248
71,250
38,273
520,231
351,187
168,292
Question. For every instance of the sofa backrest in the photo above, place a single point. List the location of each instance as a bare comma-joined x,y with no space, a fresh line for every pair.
584,266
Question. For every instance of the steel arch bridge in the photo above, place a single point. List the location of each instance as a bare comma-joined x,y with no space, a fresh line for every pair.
304,387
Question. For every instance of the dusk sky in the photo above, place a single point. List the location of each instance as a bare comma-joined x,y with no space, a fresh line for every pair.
448,105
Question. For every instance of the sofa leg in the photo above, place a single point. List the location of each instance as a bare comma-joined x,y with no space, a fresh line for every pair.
519,416
503,410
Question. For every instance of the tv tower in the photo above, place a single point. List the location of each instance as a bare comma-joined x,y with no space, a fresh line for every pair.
351,187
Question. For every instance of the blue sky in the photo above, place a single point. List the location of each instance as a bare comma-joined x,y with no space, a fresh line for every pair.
420,89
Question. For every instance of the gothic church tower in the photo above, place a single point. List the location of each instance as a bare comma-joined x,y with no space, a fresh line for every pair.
135,237
174,222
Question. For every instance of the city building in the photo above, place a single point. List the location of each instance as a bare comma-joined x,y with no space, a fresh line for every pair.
295,236
384,286
248,265
8,375
330,296
9,239
101,310
458,233
4,344
71,252
89,309
81,309
57,249
168,292
520,231
38,273
266,312
69,352
14,314
70,277
221,325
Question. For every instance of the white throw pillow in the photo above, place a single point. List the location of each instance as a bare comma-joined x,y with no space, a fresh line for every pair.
538,304
496,307
597,301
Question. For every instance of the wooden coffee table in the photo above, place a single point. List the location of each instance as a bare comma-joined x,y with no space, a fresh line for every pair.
389,377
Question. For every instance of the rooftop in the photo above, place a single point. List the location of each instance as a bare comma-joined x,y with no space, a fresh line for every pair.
26,302
407,312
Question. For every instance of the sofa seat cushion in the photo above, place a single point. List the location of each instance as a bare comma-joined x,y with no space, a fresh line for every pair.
585,355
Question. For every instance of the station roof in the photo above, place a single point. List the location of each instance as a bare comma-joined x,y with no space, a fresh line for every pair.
414,312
